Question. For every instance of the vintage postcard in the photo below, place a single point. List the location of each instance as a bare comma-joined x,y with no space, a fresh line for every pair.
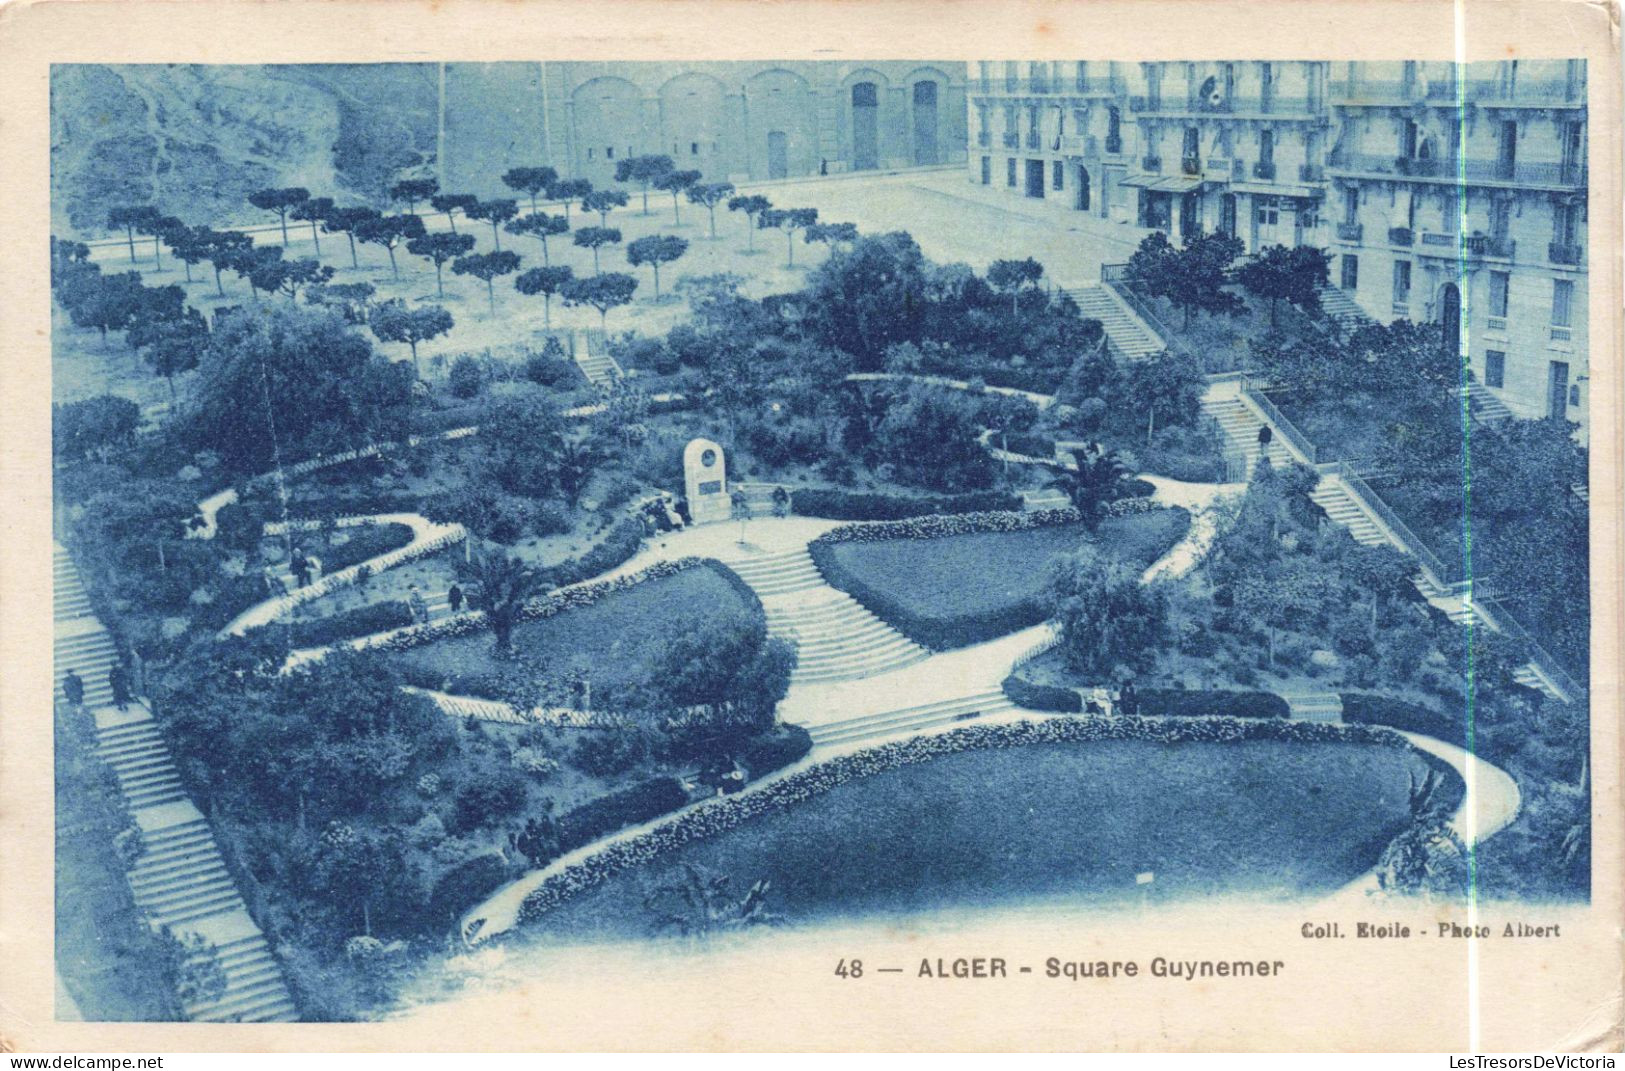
811,527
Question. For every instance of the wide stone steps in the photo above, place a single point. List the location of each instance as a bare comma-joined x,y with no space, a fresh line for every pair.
1124,329
91,655
1342,309
910,719
599,368
1240,425
1340,507
837,639
779,574
68,596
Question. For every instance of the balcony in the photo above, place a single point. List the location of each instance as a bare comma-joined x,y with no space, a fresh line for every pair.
1190,165
1152,164
983,138
1558,175
1499,246
1447,93
1012,140
1400,236
1349,232
1096,87
1311,173
1015,86
1222,170
1085,145
1032,139
1264,170
1220,104
1114,145
1564,253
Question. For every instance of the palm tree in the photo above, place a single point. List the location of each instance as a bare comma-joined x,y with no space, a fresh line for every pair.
1094,481
503,585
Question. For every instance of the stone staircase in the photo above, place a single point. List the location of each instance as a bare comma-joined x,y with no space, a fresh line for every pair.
1316,706
83,646
592,357
1343,310
68,596
1342,507
1240,423
1130,338
911,719
139,758
836,638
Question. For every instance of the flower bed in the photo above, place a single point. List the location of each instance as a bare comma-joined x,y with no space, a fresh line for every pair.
839,505
951,581
720,816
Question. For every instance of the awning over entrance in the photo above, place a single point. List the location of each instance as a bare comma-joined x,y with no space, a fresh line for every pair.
1164,184
1273,189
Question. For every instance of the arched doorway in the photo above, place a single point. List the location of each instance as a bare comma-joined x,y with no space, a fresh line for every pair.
865,127
925,123
778,154
1081,202
1450,318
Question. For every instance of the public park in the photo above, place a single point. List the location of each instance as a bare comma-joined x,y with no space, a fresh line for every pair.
683,553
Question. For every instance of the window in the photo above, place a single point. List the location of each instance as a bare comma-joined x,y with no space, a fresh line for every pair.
1059,179
1402,283
1562,302
987,171
609,152
589,153
1351,204
1495,368
1351,272
694,148
1266,146
1500,219
1566,224
1499,281
1010,171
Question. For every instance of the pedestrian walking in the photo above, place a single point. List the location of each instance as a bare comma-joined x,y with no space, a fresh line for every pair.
454,596
1265,435
300,566
73,689
420,609
1129,699
118,679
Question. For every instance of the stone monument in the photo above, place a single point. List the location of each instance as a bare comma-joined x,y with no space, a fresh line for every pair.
705,482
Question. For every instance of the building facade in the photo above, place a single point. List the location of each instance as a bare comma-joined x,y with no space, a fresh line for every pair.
1449,194
730,121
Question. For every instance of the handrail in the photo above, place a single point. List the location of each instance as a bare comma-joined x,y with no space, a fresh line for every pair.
1115,276
1440,577
1289,431
1543,659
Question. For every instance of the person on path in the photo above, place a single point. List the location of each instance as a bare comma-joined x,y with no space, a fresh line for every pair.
1129,699
454,596
273,583
118,679
420,609
300,566
73,689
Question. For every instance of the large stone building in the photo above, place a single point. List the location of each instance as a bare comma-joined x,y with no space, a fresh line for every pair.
731,121
1447,194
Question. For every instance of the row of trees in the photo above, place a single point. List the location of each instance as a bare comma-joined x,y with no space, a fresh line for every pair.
1198,276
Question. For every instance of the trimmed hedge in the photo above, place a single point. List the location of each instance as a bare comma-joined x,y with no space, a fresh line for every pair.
366,542
362,621
1367,708
615,549
1030,696
775,750
1192,703
1134,487
839,505
727,813
1022,442
628,807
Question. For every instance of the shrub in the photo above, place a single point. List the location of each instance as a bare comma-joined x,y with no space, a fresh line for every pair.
1031,696
1180,703
775,750
448,419
628,807
93,425
463,886
608,754
616,548
1369,708
549,370
852,506
1029,443
1134,487
362,621
487,801
467,378
367,541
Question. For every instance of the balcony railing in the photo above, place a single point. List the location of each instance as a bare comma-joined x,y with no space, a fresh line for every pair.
1011,139
1190,165
1400,236
1264,170
1516,172
1152,164
1379,92
1563,253
1499,246
983,138
1085,145
1044,86
1114,146
1219,104
1222,170
1349,232
1311,173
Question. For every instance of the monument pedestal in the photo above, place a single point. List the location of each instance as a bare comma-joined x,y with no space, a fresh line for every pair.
705,482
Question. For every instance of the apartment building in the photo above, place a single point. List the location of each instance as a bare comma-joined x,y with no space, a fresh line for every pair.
1458,197
1449,194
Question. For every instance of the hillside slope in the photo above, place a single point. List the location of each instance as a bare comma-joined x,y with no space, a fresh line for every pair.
198,139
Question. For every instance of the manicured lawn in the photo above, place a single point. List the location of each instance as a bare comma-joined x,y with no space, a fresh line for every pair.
1073,822
610,639
960,589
